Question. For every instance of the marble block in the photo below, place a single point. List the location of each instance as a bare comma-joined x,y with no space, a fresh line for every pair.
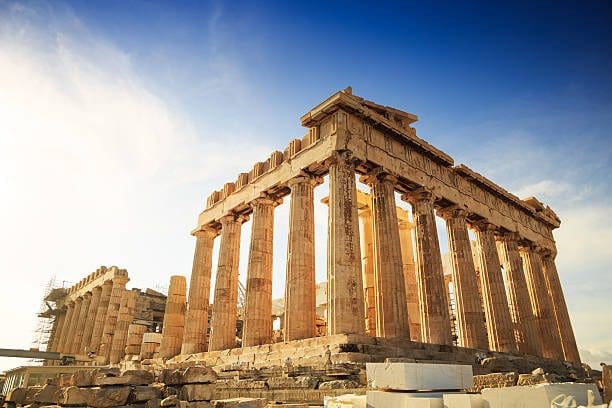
463,401
540,395
346,401
419,376
387,399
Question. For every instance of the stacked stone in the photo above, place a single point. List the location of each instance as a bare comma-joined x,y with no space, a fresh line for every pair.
134,339
124,318
151,343
174,318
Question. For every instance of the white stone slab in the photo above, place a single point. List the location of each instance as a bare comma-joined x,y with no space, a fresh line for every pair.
419,376
540,395
463,401
345,401
393,399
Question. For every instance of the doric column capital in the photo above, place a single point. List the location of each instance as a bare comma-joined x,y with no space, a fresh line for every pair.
207,231
233,218
420,195
87,295
304,178
528,246
484,225
380,175
508,236
454,211
342,157
266,200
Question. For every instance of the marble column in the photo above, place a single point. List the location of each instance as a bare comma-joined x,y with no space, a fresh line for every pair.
368,259
90,319
410,280
435,321
469,311
391,306
223,325
196,319
174,318
345,305
257,328
564,324
74,322
112,313
58,326
541,304
300,283
63,339
497,311
525,327
100,318
124,319
78,338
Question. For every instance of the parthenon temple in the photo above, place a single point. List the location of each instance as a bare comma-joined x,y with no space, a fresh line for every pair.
385,274
494,289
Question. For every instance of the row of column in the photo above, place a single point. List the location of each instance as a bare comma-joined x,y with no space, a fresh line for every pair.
96,322
529,317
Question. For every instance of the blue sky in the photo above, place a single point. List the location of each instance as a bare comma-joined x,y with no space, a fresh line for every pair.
118,118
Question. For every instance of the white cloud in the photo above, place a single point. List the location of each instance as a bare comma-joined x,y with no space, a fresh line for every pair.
95,168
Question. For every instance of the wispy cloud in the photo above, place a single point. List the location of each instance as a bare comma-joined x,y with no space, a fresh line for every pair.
96,168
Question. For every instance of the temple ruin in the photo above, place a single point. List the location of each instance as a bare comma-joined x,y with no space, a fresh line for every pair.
99,317
376,285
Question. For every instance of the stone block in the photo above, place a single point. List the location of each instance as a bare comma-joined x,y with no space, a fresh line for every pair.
345,401
82,378
279,405
241,403
338,384
199,404
463,401
530,379
170,401
189,375
383,399
302,381
495,380
22,396
74,396
540,395
104,397
48,394
145,393
197,392
418,376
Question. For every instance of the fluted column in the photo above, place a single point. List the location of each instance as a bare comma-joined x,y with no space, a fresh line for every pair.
525,327
63,339
541,304
257,327
58,326
300,283
345,306
100,318
410,281
124,319
112,313
470,316
368,259
90,319
564,324
435,321
497,311
391,306
74,322
223,325
196,319
78,338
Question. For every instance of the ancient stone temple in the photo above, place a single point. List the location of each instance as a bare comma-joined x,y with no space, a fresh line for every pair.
98,315
384,267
